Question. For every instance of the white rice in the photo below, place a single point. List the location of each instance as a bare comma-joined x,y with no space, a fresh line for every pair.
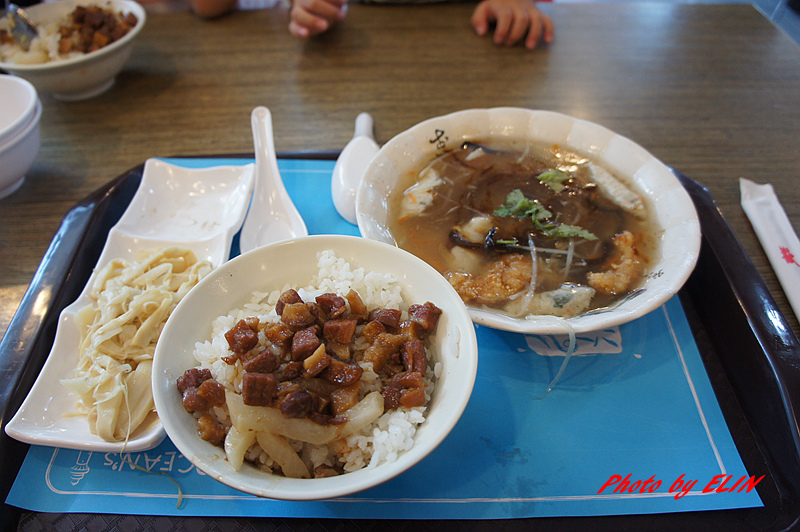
44,47
392,433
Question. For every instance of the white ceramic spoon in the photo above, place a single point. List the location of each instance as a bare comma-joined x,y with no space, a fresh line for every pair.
272,215
350,166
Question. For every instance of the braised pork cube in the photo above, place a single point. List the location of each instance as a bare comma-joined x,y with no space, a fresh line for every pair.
409,379
259,389
264,362
340,331
341,373
406,389
192,378
358,309
426,315
210,430
278,334
317,311
305,342
333,305
213,392
414,356
288,297
297,404
189,385
387,316
193,401
382,349
291,371
297,315
345,398
243,336
412,329
411,397
371,330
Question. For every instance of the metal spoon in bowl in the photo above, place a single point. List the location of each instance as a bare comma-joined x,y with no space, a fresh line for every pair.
272,215
350,166
22,29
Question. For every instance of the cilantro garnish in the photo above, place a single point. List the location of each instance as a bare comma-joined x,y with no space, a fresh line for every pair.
571,231
520,207
554,179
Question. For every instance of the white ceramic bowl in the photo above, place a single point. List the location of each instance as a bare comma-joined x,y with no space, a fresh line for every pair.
19,152
294,262
19,105
673,209
89,75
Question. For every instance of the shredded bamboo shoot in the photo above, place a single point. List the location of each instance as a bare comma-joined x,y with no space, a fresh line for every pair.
131,302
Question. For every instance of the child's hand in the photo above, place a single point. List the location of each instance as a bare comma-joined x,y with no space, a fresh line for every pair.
514,21
312,17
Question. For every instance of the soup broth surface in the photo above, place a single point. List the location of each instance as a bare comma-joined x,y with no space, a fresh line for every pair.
526,229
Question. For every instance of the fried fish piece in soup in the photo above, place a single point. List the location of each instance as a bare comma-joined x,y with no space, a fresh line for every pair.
526,229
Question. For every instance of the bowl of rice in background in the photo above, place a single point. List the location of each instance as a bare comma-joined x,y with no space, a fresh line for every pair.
73,73
399,171
249,286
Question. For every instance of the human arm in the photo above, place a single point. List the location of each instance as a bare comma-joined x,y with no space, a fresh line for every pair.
212,8
514,21
312,17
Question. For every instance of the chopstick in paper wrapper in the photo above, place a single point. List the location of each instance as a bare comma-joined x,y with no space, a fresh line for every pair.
776,234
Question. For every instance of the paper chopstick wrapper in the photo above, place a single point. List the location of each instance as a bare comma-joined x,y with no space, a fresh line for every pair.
777,236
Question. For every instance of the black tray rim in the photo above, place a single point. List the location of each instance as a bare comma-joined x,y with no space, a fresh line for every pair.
66,263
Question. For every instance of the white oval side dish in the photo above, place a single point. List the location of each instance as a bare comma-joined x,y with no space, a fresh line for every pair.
200,209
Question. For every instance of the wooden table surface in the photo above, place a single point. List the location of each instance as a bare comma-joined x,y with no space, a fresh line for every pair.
711,90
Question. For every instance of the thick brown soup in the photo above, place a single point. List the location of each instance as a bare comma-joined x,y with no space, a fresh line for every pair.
498,221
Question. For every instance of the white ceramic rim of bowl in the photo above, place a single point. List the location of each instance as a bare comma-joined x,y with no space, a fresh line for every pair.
18,124
22,135
415,146
211,459
61,5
